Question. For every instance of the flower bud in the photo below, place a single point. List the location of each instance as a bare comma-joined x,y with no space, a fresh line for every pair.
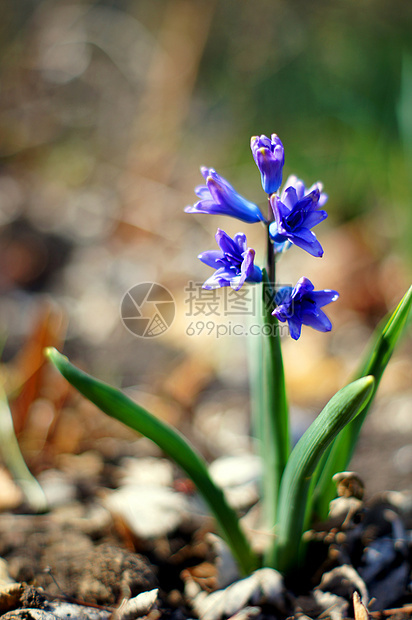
269,156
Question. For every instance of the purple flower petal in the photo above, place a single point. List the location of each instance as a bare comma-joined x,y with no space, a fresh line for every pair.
289,198
280,210
228,245
240,240
323,199
247,267
317,321
316,217
234,262
295,328
218,197
203,192
212,258
301,306
324,297
296,212
220,278
306,240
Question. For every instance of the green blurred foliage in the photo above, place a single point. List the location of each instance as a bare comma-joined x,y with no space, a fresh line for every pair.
333,79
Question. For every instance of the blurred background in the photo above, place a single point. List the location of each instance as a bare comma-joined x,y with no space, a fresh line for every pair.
107,111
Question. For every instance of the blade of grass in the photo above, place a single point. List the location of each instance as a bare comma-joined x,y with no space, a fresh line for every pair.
283,553
383,343
115,404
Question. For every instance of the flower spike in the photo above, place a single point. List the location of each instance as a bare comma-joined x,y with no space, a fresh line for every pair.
234,262
296,212
269,156
302,305
218,197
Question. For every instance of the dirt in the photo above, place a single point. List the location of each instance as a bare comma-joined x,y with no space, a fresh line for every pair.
61,560
66,555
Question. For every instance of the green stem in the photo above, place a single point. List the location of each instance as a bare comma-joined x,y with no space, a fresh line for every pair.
270,252
273,415
255,371
115,404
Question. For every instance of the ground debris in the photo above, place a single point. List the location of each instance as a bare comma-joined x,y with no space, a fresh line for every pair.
67,562
10,595
320,604
150,511
247,613
263,587
74,554
359,609
137,606
31,614
59,610
349,484
66,610
344,581
227,569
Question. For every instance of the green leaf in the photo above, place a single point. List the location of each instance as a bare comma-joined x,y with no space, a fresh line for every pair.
14,460
115,404
384,341
283,554
272,413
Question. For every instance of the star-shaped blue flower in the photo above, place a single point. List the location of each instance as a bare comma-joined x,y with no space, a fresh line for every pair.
296,212
234,262
218,197
302,305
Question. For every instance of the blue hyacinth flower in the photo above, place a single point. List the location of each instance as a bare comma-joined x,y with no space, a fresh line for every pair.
234,262
269,156
218,197
296,212
302,305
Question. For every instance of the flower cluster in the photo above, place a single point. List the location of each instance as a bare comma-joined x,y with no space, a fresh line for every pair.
292,215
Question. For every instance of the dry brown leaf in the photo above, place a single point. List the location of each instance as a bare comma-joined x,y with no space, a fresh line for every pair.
361,613
25,372
10,594
186,381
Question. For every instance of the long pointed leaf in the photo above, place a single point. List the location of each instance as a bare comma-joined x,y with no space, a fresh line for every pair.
115,404
283,554
384,341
